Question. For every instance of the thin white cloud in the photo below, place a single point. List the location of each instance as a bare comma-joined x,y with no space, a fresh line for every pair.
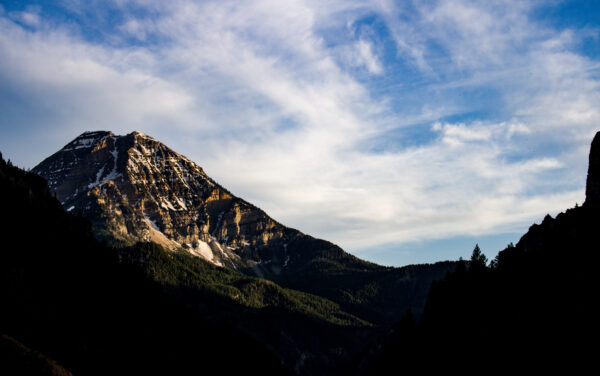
257,94
29,17
134,28
361,55
90,82
458,134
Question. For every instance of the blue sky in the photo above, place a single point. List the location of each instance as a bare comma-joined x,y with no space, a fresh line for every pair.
404,131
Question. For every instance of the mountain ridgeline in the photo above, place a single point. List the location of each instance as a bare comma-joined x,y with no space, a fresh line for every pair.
134,188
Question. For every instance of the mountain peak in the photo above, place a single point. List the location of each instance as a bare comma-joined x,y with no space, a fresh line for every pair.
140,134
592,190
90,138
87,140
94,134
134,188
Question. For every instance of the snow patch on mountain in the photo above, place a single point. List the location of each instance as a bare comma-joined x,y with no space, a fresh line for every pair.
203,250
98,177
152,223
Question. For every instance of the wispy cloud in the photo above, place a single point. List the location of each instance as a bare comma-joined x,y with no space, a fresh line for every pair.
438,119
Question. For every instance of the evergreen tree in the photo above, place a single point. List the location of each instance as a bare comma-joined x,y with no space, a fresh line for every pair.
478,259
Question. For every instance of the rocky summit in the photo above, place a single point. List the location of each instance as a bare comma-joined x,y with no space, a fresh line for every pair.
592,191
134,188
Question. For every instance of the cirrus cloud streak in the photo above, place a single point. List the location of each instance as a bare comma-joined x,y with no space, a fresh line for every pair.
365,123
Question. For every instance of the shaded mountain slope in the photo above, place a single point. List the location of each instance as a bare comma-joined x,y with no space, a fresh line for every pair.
309,333
179,270
68,297
93,307
18,359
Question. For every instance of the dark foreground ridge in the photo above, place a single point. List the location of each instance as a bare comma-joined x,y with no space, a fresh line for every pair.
67,299
533,309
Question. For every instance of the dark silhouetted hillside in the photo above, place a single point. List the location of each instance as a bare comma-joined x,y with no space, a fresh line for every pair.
66,296
532,309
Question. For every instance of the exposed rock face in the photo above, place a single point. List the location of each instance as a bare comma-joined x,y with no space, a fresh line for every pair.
569,226
592,191
135,188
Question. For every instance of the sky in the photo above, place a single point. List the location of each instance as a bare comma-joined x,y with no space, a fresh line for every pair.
403,131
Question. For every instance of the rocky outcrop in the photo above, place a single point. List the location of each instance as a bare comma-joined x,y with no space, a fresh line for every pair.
569,226
592,190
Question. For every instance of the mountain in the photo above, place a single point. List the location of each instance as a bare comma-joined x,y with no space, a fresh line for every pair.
134,188
533,309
